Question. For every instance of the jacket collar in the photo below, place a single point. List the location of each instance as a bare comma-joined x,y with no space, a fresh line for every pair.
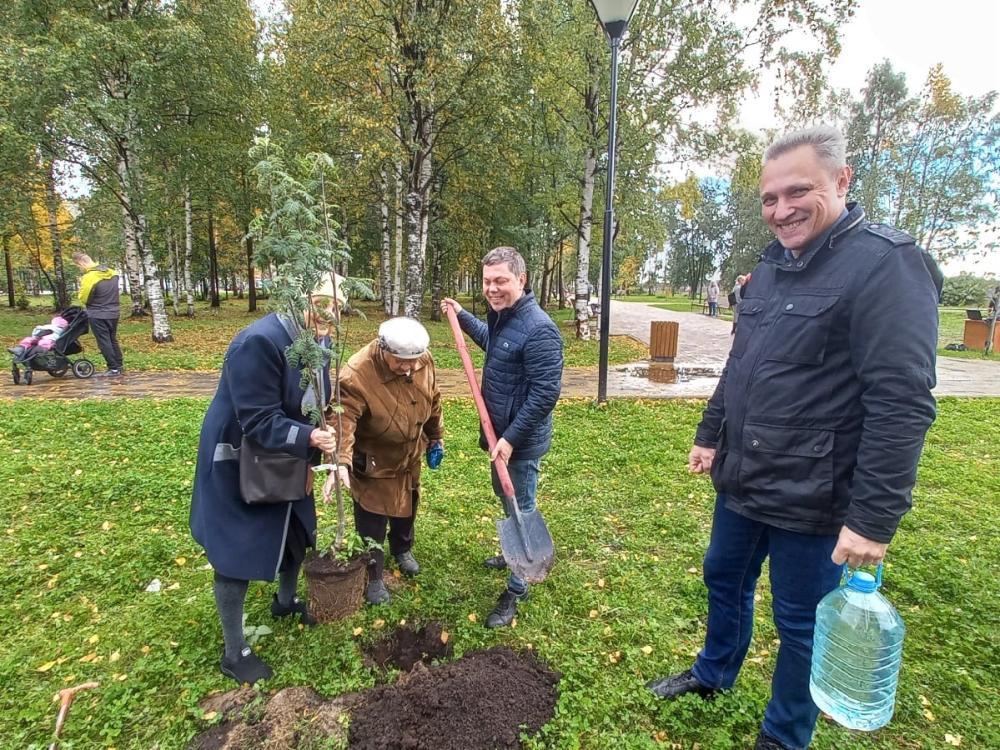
495,317
384,373
776,253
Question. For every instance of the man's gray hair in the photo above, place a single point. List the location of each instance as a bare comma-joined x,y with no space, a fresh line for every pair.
507,255
827,141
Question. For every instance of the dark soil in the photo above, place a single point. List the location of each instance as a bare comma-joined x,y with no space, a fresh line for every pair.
405,647
480,702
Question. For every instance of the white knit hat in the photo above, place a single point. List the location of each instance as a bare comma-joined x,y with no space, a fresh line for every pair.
403,337
325,287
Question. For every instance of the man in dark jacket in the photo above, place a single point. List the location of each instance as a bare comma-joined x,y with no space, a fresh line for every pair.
99,292
522,376
814,432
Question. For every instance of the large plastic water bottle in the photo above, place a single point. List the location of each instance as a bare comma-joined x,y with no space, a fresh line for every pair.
857,651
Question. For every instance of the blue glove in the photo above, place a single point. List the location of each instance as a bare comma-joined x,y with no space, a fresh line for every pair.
435,454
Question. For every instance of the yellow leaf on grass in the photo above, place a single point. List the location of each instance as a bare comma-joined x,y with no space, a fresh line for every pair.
472,617
115,656
378,624
647,650
593,614
180,560
444,636
106,525
46,666
89,657
78,472
358,631
924,701
145,649
210,715
600,583
953,739
94,638
928,715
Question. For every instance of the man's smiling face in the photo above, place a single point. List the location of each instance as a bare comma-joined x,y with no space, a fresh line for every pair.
801,197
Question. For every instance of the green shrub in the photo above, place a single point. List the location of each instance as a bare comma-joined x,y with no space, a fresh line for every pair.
965,289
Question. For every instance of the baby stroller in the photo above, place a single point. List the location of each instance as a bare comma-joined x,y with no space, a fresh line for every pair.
49,346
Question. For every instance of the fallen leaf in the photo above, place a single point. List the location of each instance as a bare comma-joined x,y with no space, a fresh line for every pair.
78,472
472,617
402,622
444,636
924,701
174,586
89,657
928,714
593,614
94,638
358,631
106,525
115,656
600,583
145,649
378,624
692,570
46,666
210,715
180,560
647,650
953,739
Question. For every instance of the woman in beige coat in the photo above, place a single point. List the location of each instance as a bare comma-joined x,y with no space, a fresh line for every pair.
391,418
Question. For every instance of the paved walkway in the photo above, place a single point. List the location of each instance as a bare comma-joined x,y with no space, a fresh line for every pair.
702,349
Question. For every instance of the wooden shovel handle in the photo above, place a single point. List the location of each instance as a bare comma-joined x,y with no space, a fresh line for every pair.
484,417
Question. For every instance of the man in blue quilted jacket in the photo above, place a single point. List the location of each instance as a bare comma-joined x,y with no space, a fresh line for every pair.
522,376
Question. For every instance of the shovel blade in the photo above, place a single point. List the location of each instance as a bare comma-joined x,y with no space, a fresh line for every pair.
528,550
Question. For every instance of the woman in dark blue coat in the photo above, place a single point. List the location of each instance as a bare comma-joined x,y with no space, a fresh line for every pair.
260,396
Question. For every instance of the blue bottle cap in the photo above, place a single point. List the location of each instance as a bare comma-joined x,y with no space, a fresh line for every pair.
862,581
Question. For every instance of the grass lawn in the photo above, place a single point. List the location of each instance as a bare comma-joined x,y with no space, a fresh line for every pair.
96,507
200,342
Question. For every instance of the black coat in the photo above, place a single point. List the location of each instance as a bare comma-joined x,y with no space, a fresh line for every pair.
522,374
259,395
821,411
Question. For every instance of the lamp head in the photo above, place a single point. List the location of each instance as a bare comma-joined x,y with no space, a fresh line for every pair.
614,15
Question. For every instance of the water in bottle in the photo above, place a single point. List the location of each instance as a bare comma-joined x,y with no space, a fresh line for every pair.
857,650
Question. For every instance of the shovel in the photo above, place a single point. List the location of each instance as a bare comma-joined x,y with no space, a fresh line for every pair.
524,538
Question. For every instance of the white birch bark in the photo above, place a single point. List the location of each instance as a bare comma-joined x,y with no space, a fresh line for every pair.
188,251
386,257
582,303
397,286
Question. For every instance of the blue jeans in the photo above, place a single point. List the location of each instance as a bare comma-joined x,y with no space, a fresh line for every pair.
524,476
713,309
802,573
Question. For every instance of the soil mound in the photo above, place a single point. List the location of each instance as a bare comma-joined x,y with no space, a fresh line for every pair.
481,702
291,718
405,647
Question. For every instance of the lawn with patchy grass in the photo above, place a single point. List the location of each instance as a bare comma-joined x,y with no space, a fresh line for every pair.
96,505
200,342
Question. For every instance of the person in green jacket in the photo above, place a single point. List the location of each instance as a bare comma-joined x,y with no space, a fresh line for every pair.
99,293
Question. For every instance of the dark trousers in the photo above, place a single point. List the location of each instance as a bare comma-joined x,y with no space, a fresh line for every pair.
802,573
372,526
106,333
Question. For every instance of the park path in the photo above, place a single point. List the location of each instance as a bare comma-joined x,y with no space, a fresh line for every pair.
702,349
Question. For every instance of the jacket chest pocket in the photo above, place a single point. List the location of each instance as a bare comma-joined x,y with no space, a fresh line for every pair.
802,329
750,312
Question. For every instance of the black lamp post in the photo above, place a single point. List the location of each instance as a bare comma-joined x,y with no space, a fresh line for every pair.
614,16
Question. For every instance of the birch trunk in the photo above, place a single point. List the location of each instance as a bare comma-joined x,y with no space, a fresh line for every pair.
161,323
414,281
582,304
52,206
188,251
172,260
11,297
385,279
397,288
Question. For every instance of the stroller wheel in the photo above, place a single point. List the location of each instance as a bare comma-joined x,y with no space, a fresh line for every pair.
28,376
15,373
58,372
83,368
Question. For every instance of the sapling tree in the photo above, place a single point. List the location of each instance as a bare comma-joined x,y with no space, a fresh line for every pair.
298,238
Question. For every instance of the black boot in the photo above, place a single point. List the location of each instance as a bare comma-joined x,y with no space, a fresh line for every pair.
376,592
497,562
297,606
676,685
407,563
767,742
506,610
246,668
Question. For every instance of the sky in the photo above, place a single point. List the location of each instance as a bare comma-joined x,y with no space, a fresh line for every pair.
962,35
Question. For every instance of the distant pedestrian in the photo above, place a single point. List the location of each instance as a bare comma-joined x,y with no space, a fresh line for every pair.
99,293
736,296
713,298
